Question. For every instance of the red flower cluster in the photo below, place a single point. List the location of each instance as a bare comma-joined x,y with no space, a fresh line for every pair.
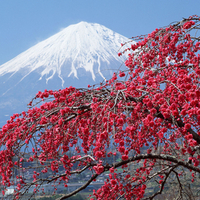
147,123
188,24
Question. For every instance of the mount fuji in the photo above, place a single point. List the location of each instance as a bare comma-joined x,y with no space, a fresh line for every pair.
81,54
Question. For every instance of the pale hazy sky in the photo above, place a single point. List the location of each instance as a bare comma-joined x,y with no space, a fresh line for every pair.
24,23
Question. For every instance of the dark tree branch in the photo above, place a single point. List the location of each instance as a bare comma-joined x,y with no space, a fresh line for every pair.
155,156
79,189
162,184
168,158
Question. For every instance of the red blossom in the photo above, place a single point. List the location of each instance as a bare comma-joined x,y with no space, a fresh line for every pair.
188,24
119,54
124,157
121,74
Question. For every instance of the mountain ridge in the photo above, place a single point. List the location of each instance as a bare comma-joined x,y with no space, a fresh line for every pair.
86,44
81,54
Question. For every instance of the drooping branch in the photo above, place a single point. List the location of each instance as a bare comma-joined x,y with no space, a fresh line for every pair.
162,184
79,189
168,158
154,156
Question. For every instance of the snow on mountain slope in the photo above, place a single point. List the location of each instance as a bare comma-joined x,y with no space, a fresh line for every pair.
82,45
81,54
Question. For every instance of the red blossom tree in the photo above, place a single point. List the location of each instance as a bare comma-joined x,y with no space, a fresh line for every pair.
142,126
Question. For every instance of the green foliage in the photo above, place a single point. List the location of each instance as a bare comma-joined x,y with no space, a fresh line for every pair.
50,198
75,197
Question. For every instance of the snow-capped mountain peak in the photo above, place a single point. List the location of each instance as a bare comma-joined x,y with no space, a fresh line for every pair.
81,54
79,46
